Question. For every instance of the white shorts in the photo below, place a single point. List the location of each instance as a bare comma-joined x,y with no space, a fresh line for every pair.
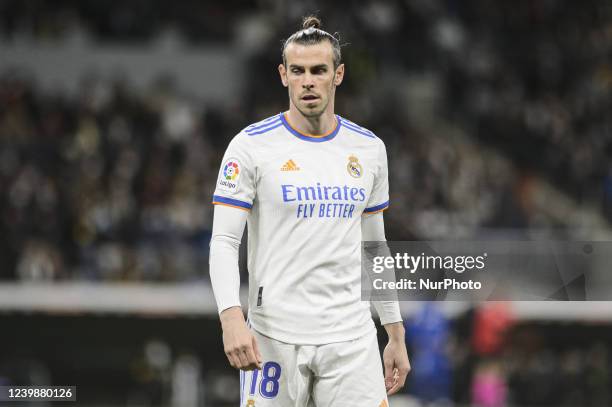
333,375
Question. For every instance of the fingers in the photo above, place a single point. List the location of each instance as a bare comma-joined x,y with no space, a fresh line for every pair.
389,373
243,354
395,386
231,357
243,359
257,352
252,361
399,378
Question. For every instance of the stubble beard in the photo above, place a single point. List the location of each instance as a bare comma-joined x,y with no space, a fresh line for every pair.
313,113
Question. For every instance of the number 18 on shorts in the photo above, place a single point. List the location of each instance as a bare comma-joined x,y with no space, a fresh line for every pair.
264,383
331,375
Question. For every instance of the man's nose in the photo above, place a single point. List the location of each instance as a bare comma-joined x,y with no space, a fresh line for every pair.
308,82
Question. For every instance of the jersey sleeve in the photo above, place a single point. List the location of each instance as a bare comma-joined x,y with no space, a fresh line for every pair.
379,198
236,180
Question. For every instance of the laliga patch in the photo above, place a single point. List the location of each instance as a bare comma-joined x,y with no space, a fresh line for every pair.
230,175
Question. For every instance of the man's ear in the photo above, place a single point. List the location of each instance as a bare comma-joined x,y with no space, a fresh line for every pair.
283,74
339,75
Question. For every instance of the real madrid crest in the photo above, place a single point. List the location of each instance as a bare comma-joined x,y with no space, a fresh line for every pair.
353,167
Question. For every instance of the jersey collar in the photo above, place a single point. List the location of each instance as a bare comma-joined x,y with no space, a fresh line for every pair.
310,137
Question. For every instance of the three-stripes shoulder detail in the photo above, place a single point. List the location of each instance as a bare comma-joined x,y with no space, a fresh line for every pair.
347,124
263,126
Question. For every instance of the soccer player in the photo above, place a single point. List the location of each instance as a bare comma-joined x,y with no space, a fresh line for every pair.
311,185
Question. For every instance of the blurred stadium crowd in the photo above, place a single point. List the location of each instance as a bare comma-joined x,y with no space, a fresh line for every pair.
483,107
496,116
109,186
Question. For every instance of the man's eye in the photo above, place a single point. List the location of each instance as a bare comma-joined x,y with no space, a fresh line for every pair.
296,71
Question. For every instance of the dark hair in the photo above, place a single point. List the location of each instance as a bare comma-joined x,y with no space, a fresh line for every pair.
310,34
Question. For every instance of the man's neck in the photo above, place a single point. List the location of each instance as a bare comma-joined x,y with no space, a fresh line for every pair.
315,126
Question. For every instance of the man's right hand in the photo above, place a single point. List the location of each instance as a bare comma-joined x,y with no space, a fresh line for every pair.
239,344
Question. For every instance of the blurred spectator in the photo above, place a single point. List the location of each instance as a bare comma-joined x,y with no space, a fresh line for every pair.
489,387
427,335
492,321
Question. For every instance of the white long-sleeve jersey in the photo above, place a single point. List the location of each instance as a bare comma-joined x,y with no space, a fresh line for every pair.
306,196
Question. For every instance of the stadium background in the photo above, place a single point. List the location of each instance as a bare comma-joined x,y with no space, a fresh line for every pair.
113,120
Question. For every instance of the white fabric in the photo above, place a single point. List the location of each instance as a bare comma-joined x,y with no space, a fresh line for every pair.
306,198
228,227
344,374
373,229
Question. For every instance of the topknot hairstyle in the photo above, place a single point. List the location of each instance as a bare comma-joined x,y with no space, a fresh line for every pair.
310,34
311,21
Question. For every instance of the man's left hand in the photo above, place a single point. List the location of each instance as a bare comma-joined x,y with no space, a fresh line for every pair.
395,358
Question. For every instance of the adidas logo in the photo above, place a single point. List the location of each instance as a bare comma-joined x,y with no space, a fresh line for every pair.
290,166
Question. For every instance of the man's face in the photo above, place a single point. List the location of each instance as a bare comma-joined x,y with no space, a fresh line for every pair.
310,77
